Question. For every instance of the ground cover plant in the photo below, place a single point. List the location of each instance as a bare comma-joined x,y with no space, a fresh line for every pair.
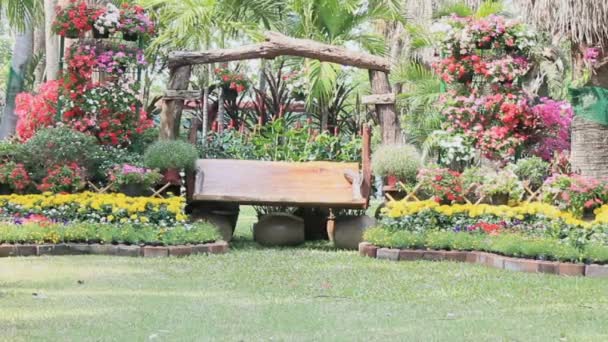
38,230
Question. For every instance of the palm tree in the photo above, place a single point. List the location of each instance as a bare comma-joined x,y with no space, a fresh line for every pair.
21,16
203,24
585,24
338,22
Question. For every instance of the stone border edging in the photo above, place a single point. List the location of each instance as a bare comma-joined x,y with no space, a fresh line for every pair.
218,247
487,259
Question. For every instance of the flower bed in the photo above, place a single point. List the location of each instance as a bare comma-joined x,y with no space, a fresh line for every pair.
42,232
96,208
536,231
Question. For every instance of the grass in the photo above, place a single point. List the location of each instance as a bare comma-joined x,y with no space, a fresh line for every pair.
310,293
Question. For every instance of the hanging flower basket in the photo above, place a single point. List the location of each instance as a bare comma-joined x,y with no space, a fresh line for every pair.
130,37
98,35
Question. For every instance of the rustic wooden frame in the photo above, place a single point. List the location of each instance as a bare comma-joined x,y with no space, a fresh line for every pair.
275,45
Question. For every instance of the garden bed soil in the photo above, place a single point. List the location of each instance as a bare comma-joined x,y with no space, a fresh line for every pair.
7,250
488,259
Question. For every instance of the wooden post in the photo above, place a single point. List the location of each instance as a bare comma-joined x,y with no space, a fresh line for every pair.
171,113
387,114
366,163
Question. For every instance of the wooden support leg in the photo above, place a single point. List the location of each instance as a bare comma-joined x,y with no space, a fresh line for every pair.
331,225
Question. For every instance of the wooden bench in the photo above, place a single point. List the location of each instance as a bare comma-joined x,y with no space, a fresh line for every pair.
307,184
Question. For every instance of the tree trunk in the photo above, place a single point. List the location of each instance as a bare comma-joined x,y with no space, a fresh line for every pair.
387,114
22,52
589,149
52,41
589,155
39,50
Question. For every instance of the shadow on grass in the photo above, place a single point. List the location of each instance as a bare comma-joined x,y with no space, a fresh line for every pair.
241,243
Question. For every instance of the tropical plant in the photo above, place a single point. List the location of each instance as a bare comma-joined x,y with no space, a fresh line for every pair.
171,154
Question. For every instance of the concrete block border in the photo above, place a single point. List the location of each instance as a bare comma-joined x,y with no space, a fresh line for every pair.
218,247
366,249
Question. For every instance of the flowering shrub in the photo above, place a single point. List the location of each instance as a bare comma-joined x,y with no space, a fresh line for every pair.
15,175
63,178
498,124
506,70
134,21
36,110
576,193
444,185
461,69
465,35
108,19
92,207
74,20
116,61
108,112
230,79
129,174
556,118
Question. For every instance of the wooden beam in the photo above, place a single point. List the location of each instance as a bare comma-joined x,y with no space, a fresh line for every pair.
366,162
171,94
379,99
275,45
387,113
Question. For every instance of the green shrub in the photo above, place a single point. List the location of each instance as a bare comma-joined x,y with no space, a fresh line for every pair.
514,245
171,154
107,157
379,237
533,169
596,253
401,161
405,239
81,232
58,145
439,240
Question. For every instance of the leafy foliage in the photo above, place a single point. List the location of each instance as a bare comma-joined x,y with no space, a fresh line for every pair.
171,154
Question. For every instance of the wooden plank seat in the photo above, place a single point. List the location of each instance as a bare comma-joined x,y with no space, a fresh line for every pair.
307,184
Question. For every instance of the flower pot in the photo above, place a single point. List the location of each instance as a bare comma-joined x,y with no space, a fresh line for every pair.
172,176
223,215
315,222
465,78
500,199
130,37
588,214
391,180
72,35
229,93
279,229
485,45
134,190
99,35
5,189
349,230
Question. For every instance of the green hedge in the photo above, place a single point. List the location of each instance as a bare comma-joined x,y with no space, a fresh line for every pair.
514,245
108,233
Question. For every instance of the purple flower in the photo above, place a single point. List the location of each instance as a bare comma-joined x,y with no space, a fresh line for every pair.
592,55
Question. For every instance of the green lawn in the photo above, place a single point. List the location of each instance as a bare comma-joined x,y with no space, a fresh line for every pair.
311,293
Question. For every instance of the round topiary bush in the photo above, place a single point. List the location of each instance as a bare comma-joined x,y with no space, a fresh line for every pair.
58,146
171,154
401,161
